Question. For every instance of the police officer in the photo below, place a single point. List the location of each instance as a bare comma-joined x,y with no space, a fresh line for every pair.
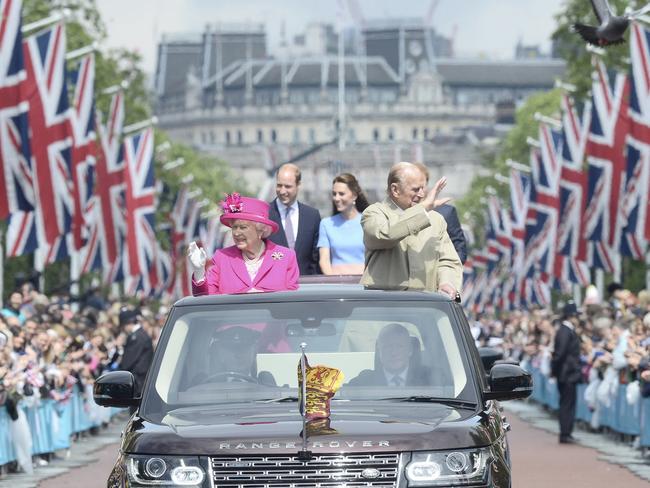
565,367
138,350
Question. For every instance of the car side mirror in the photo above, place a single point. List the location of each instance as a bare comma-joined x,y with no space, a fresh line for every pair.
489,356
115,389
508,382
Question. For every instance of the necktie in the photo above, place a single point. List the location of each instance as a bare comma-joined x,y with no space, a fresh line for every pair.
288,228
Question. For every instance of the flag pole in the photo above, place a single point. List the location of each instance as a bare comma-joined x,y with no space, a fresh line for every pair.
304,454
52,19
75,275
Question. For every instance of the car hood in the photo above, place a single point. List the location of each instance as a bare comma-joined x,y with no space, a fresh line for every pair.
276,428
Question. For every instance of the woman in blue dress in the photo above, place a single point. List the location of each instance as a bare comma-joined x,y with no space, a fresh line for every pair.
340,238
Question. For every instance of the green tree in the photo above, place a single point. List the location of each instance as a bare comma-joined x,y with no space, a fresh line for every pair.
514,147
579,68
571,47
83,27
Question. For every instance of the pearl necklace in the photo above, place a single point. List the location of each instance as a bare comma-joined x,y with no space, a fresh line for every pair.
257,257
253,264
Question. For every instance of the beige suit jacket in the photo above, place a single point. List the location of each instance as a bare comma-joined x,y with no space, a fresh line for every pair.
408,249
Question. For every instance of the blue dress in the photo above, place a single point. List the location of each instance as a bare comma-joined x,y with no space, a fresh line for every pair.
344,238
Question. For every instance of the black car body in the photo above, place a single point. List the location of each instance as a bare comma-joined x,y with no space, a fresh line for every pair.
200,426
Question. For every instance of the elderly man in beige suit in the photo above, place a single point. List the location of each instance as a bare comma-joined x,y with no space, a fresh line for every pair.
406,242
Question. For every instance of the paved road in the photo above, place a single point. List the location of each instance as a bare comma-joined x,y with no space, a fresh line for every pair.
538,460
91,475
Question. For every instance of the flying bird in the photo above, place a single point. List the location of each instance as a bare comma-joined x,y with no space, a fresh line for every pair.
612,27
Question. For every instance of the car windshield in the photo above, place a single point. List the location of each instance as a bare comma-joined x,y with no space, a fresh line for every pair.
230,354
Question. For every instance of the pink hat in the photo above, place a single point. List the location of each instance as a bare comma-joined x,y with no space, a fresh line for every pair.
245,208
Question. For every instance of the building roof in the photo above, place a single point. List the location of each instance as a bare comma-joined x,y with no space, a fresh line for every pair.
529,73
312,71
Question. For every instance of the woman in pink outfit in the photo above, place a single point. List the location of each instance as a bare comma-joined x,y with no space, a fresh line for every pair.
254,263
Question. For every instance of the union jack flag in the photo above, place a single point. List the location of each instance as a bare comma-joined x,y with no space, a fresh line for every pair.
481,296
537,292
538,229
573,180
635,207
606,159
84,151
106,221
16,175
519,200
209,227
500,229
164,269
469,275
180,284
21,235
546,176
511,298
191,232
46,90
141,273
571,257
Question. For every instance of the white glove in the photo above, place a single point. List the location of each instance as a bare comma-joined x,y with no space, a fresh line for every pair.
197,259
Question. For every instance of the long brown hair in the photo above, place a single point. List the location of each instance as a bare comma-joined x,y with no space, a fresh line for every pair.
348,179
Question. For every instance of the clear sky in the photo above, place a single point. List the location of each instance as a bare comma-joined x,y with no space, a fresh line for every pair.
483,27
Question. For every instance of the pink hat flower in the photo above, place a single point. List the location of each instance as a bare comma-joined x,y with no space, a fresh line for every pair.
232,203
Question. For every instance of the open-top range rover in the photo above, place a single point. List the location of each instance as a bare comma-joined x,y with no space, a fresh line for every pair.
221,407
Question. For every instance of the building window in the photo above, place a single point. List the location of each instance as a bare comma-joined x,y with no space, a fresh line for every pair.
240,138
426,134
415,133
204,138
391,134
260,136
227,138
352,136
296,135
312,135
274,135
375,135
212,137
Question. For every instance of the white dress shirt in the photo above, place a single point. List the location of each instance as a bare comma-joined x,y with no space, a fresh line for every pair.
390,377
282,210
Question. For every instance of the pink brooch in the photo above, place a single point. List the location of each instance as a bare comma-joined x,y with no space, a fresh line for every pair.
277,255
232,203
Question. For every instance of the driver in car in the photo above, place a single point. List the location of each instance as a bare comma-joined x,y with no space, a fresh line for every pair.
233,356
396,362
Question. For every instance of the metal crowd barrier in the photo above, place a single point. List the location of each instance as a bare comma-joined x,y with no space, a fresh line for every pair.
620,416
51,424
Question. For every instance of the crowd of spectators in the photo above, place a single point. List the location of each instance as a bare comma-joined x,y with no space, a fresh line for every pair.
52,347
614,337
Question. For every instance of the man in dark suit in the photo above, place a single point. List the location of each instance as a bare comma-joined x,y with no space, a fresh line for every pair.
298,222
138,350
565,367
395,363
454,229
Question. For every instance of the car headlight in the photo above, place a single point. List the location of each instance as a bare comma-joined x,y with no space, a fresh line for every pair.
164,471
448,468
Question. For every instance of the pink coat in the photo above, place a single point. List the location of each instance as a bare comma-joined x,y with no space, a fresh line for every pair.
228,274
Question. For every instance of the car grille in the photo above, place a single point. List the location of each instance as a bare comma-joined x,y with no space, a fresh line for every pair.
325,470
